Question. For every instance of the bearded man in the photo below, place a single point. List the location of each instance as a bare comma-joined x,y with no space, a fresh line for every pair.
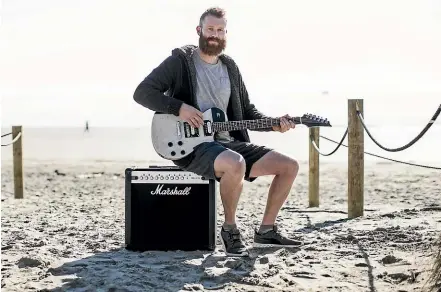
195,78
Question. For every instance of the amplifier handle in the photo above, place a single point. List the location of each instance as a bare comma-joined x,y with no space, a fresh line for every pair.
173,167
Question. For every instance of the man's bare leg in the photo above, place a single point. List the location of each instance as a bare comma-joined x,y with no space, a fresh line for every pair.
285,170
230,167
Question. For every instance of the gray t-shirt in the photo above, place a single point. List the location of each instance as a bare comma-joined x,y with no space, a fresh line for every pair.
213,88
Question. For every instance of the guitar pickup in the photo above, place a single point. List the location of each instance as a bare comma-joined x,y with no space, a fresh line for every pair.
190,132
178,130
208,128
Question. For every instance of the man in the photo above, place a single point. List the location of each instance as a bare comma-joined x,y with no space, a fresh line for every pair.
194,79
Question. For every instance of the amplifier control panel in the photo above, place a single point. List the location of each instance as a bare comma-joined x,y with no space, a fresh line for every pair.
147,176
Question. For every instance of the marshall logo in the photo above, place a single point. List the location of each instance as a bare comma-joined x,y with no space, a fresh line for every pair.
170,192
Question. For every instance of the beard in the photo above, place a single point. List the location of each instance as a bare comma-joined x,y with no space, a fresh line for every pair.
211,49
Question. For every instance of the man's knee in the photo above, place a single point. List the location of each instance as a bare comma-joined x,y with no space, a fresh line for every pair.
285,165
229,162
290,167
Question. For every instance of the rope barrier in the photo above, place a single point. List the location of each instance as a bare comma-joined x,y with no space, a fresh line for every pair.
6,134
390,159
13,141
420,135
335,150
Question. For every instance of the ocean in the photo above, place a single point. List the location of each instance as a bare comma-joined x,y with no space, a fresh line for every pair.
73,145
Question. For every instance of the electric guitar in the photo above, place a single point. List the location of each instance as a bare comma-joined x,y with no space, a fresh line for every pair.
174,138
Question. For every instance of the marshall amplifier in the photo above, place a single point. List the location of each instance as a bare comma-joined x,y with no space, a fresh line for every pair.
167,208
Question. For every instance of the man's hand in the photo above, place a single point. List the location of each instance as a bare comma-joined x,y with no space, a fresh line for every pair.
191,115
285,124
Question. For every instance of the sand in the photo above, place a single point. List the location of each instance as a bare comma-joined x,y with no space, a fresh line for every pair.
67,234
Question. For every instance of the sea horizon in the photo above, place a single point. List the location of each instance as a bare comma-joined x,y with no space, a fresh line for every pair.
128,143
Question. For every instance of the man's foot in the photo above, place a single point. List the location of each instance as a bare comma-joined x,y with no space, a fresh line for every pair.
274,238
232,243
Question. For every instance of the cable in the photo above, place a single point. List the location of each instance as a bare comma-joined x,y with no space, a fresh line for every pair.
420,135
6,134
390,159
13,141
329,154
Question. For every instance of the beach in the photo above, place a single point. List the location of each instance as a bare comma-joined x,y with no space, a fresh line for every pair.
67,234
71,83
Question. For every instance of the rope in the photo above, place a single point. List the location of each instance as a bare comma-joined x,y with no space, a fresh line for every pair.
6,134
338,146
420,135
390,159
13,141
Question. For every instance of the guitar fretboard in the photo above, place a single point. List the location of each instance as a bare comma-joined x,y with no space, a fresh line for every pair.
246,124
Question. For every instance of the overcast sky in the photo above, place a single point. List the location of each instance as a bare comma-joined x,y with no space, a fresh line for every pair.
63,62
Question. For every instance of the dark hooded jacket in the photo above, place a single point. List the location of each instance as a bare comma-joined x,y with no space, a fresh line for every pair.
173,83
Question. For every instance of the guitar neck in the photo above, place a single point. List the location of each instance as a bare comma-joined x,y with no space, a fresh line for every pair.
249,124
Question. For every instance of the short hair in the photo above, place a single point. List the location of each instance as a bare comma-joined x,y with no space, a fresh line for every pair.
213,11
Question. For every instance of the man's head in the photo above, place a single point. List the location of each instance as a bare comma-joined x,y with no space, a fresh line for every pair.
212,31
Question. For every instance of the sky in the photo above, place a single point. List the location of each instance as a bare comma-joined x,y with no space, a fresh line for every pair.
64,62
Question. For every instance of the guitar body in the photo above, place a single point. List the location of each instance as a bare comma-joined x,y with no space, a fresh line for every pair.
174,138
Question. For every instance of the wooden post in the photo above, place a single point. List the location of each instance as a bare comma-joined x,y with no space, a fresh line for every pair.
17,153
314,133
355,159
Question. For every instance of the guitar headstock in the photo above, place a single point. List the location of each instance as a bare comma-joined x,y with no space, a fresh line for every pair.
311,120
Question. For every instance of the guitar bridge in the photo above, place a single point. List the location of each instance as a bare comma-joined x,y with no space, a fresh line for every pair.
190,132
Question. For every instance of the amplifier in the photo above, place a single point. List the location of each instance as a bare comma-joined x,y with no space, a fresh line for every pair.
167,208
